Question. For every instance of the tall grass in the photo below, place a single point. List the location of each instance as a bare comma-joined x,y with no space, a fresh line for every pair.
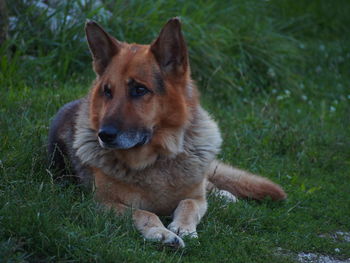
246,45
237,45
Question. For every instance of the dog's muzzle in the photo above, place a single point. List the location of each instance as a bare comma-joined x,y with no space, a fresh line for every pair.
110,137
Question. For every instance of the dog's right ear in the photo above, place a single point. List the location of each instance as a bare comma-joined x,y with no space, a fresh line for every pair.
102,46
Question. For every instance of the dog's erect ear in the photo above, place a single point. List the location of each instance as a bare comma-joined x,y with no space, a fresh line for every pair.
102,46
170,48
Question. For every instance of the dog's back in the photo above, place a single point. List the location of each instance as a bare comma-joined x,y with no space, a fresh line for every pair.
62,157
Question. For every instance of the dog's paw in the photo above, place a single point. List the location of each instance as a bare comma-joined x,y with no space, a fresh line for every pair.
226,196
165,236
183,230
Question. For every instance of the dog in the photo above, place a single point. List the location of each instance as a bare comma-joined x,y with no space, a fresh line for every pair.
143,140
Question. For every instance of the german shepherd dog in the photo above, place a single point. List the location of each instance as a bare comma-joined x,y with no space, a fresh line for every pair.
144,141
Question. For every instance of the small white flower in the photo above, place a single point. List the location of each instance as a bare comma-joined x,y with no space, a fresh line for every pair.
349,96
304,97
271,73
322,47
299,111
274,91
332,109
280,97
287,92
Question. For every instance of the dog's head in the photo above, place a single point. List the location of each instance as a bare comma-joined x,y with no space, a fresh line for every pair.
142,98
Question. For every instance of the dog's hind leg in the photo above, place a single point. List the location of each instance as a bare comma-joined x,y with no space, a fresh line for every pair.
223,194
187,216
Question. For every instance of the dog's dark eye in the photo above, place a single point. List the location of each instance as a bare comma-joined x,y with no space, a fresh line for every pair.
138,90
107,91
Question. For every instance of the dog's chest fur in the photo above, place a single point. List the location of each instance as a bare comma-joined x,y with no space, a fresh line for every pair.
167,177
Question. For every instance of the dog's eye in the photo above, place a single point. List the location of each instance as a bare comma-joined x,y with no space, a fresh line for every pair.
107,91
138,90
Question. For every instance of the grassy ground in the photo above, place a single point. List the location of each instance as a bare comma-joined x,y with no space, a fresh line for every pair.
274,74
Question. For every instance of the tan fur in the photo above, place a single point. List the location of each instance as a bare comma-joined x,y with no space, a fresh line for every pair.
168,180
169,174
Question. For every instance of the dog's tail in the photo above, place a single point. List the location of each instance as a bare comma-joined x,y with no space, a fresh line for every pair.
243,184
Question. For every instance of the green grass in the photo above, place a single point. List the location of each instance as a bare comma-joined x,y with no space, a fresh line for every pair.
274,74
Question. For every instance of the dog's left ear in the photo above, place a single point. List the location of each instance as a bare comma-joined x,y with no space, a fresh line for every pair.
170,48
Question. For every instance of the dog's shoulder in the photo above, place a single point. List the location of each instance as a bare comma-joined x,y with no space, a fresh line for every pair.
203,137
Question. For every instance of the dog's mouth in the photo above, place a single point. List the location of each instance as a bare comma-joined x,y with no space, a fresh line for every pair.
123,140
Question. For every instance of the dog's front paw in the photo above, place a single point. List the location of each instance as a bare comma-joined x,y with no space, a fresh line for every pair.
183,230
165,236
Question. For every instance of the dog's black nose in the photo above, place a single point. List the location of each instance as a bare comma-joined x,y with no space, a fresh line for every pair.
107,134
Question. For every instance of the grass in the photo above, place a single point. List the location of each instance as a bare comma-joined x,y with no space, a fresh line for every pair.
274,74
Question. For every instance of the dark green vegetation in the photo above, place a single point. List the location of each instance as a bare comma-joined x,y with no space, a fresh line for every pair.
275,74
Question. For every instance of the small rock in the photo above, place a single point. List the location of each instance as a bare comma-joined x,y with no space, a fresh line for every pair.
317,258
344,235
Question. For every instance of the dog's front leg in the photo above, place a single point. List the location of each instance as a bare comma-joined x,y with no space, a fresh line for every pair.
152,228
110,191
187,216
149,225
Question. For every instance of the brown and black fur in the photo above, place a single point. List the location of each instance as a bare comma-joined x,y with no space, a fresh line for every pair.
142,138
62,154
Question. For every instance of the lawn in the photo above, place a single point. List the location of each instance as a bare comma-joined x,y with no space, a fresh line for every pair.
274,74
